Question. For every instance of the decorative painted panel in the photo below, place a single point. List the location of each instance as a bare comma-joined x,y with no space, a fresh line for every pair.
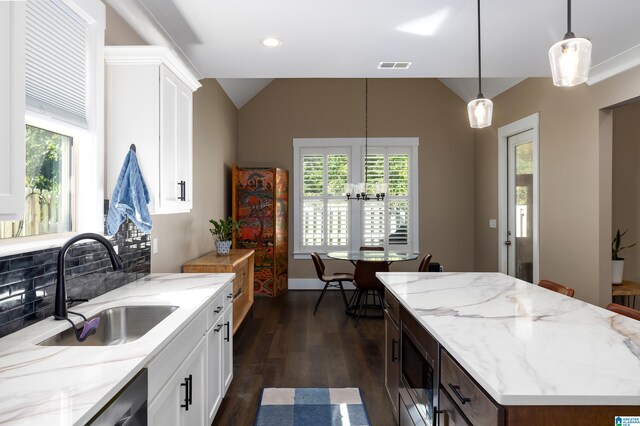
260,204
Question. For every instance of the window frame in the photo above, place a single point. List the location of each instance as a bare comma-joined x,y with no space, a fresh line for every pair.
356,169
88,149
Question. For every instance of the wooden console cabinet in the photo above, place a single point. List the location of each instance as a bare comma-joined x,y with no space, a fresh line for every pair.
240,262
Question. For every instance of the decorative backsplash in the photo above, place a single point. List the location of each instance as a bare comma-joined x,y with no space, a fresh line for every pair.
28,280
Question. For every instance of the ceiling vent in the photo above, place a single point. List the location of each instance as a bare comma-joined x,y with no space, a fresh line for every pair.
394,65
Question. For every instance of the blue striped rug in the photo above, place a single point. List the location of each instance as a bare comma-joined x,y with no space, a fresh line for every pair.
311,406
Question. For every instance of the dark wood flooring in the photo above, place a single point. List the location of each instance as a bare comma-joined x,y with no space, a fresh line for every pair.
285,345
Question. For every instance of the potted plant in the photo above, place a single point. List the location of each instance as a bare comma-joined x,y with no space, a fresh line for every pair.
222,232
617,262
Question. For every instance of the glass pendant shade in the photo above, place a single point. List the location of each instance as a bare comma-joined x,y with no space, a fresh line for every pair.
480,111
570,61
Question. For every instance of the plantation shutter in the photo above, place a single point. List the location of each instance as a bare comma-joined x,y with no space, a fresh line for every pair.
325,211
56,61
387,223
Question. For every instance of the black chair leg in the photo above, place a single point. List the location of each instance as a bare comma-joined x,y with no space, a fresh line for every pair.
344,296
320,298
361,303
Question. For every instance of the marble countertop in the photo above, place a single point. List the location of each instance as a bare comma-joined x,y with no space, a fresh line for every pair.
523,344
47,385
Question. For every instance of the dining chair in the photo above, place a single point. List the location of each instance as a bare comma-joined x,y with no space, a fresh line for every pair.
334,280
367,285
624,310
550,285
424,264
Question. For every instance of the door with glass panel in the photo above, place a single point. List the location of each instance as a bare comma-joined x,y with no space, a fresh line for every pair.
520,230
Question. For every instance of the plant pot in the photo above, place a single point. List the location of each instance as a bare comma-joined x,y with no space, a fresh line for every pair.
223,247
617,267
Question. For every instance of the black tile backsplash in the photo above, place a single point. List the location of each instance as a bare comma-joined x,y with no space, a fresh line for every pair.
28,280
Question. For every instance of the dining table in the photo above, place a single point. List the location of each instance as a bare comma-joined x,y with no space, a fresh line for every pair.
362,259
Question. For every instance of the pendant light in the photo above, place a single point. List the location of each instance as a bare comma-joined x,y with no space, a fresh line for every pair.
480,109
359,191
570,58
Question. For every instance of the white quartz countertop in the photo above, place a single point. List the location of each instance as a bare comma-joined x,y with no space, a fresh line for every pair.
47,385
526,345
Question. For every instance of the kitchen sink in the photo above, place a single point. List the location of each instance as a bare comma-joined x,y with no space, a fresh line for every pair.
118,325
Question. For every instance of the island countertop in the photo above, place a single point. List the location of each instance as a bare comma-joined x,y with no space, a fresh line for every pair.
57,385
526,345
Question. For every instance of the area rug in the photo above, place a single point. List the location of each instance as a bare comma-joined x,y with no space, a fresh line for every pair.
311,406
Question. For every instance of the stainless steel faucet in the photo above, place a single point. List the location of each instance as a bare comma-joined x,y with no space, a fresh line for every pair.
60,306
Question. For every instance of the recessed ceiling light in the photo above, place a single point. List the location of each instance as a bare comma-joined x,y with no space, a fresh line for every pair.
394,65
271,42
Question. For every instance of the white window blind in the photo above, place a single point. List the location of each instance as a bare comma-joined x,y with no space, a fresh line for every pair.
325,211
56,61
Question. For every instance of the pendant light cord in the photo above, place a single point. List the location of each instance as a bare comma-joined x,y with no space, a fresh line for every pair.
568,16
480,95
366,131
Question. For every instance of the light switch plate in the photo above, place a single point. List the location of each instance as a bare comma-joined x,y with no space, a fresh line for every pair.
154,246
492,223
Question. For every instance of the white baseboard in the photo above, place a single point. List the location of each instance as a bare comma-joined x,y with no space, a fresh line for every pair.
313,284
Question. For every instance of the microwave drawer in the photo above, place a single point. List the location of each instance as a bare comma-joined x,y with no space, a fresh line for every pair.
468,397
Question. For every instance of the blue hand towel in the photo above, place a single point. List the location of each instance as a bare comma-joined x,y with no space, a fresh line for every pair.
130,198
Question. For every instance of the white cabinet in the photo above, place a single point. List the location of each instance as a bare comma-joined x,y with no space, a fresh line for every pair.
149,104
190,376
12,100
182,400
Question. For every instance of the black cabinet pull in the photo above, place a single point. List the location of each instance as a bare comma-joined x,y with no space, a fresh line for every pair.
217,310
230,296
190,389
183,190
437,414
218,328
456,392
187,392
226,338
394,357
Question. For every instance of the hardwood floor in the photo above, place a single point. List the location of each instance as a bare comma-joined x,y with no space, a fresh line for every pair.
285,345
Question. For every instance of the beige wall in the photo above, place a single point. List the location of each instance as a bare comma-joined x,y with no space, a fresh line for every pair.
575,179
307,108
182,237
626,184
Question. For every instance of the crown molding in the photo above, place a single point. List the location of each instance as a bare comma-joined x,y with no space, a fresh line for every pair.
146,25
624,61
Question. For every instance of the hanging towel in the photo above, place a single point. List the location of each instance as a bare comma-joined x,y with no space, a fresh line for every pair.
130,198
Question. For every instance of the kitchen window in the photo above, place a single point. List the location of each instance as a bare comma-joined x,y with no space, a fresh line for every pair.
324,220
64,118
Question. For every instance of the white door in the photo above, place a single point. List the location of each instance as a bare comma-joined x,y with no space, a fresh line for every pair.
518,156
227,348
214,368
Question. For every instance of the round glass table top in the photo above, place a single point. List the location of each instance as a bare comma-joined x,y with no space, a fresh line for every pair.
372,256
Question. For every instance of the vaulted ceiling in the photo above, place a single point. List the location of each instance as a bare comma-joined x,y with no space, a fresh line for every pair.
347,39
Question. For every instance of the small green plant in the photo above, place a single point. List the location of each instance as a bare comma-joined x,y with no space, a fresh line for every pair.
615,245
223,230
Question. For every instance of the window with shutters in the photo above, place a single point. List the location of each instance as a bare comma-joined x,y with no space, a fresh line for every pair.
324,220
64,120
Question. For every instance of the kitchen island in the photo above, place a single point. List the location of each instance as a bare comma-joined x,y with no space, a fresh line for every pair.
533,356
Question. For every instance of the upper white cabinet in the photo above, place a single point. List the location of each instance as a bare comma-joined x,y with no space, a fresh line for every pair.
149,104
12,100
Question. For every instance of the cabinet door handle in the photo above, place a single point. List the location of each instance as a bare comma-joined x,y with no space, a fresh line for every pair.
230,296
218,328
183,190
394,357
226,338
456,391
190,389
187,392
445,417
217,310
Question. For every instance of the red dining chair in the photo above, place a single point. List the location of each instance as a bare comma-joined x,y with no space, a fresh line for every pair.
623,310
